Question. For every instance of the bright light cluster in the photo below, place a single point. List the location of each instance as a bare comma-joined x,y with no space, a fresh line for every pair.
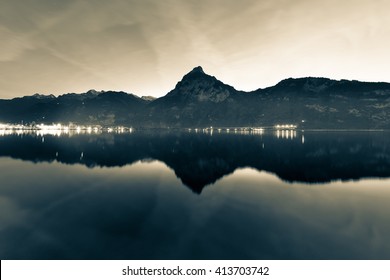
59,129
237,130
285,126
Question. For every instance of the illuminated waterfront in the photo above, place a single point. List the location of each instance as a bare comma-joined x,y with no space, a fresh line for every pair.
59,129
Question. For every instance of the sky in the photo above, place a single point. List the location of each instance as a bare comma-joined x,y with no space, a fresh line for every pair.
145,47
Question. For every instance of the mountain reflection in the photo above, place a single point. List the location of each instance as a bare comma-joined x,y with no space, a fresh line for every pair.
200,159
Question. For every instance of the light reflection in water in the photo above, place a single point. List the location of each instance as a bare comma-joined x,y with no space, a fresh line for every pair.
286,134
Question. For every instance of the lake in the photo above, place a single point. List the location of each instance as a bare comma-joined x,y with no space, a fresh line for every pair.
193,195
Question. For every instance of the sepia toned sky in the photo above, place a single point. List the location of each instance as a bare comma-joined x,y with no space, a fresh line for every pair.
146,46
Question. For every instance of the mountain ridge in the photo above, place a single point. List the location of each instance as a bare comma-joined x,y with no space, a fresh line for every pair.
201,100
198,70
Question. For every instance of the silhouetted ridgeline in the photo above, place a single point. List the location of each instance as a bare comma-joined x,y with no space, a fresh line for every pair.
201,159
200,100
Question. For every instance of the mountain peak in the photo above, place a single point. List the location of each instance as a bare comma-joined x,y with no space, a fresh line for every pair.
198,69
197,72
201,87
42,96
94,92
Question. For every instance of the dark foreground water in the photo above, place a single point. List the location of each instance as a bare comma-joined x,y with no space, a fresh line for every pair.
177,195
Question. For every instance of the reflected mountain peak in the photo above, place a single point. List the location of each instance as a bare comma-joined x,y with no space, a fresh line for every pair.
200,159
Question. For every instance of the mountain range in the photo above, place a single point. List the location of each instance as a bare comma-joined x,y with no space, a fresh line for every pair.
201,100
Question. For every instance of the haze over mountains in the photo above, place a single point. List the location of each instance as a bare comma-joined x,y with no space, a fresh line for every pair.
200,100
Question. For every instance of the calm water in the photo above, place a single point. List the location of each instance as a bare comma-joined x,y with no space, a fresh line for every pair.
177,195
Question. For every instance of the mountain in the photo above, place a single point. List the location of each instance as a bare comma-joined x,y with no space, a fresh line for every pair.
325,103
201,100
93,107
197,100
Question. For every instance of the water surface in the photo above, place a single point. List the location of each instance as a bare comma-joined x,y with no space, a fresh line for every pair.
178,195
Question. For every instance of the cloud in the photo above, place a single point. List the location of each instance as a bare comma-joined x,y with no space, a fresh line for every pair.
12,46
146,46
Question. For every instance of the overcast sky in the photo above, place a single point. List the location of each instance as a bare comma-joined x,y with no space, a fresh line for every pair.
146,46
